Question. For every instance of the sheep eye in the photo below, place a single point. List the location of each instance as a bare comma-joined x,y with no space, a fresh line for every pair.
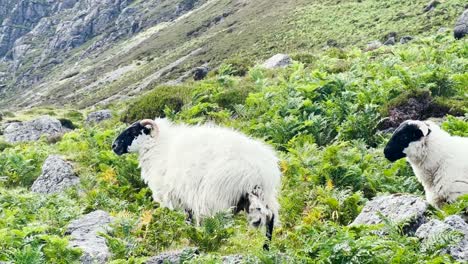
258,208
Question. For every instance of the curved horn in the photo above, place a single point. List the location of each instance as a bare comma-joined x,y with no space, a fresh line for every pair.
154,126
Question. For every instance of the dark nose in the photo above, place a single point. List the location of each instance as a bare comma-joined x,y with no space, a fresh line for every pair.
114,145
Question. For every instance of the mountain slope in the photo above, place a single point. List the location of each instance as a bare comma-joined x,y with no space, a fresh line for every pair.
125,55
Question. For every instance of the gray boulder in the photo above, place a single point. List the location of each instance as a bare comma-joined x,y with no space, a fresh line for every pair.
431,5
373,45
434,228
199,73
84,235
277,61
33,130
397,208
405,39
174,257
57,175
461,27
98,116
390,41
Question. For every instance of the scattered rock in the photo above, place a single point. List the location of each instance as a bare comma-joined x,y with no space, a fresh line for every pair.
200,73
373,45
397,208
431,5
417,105
84,235
33,130
57,175
233,259
435,227
98,116
461,27
174,257
277,61
442,30
390,41
332,43
405,39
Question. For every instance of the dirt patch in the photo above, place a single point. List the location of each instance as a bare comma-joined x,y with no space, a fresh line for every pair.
416,105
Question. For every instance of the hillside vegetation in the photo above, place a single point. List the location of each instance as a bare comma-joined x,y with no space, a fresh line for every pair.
166,46
321,114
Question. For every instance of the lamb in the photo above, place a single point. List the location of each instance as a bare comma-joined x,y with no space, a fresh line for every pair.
438,159
205,169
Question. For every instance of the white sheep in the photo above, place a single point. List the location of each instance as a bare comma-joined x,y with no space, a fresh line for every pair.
205,169
439,160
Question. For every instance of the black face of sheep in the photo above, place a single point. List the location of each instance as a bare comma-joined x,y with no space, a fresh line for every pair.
407,132
125,139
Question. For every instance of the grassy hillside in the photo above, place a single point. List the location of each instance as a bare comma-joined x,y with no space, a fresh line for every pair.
321,115
222,29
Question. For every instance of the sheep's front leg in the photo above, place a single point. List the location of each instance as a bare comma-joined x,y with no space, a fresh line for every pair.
269,231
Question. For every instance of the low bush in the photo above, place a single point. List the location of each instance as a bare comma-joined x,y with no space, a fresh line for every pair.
157,102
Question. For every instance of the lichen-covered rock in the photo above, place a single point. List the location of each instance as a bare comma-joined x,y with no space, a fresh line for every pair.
84,235
98,116
32,130
277,61
397,208
174,257
461,27
57,175
435,227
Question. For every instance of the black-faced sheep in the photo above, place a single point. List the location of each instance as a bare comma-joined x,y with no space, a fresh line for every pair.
205,169
439,160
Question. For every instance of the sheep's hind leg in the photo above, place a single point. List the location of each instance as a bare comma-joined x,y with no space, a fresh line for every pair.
269,232
189,218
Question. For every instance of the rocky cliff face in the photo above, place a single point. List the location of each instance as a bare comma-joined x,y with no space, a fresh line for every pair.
36,35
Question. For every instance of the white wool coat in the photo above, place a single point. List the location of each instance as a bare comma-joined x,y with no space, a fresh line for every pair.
206,168
440,162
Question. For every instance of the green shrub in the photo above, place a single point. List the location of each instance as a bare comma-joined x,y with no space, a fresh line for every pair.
157,102
213,232
456,126
20,167
236,66
74,115
4,145
307,59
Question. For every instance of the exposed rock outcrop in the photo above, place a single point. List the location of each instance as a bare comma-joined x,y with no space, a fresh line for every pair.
33,130
431,5
84,235
409,209
98,116
435,228
405,39
373,45
57,175
277,61
174,257
461,27
200,73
